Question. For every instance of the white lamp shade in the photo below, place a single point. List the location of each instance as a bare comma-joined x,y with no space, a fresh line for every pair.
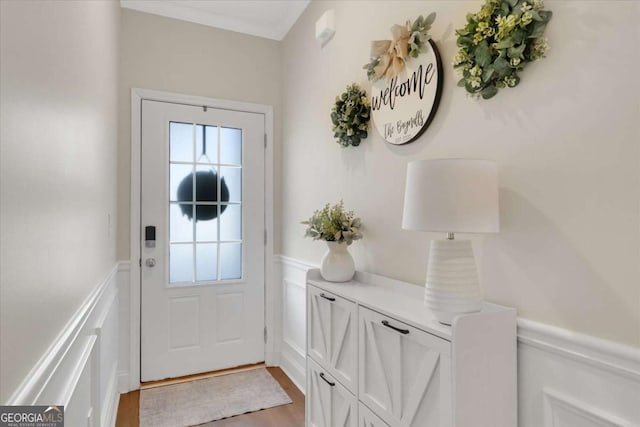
451,195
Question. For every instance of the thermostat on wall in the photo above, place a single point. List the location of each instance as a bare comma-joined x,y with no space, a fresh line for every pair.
325,27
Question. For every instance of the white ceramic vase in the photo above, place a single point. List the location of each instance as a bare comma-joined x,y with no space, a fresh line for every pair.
337,264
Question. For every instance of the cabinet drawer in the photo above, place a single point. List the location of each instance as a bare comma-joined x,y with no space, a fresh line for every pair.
332,335
328,403
366,418
404,372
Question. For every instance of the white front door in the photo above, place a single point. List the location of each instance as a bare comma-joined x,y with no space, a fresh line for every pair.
202,249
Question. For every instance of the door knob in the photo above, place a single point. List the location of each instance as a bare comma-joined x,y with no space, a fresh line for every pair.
150,262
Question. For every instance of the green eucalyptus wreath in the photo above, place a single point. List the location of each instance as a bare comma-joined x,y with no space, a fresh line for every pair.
350,116
498,42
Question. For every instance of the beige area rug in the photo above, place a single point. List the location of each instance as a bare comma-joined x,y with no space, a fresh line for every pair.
210,399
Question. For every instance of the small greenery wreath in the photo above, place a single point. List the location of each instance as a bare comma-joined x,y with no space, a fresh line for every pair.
350,116
498,42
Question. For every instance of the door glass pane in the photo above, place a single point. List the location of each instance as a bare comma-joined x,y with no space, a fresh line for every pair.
207,231
232,178
181,263
231,223
180,226
206,261
180,182
208,184
231,146
206,144
205,203
180,142
230,261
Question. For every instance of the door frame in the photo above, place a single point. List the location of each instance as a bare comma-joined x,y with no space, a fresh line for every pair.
137,96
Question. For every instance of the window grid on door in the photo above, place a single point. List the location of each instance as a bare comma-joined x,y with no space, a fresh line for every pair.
205,203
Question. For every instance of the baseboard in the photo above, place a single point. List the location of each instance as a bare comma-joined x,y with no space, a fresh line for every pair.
295,372
123,381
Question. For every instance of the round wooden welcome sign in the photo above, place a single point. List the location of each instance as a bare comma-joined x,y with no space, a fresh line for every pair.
403,107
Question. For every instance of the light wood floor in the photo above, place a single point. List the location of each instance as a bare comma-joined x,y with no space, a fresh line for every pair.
291,415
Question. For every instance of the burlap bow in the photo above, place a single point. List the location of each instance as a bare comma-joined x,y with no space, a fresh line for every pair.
391,52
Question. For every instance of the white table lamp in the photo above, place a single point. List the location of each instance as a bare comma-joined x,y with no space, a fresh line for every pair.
452,196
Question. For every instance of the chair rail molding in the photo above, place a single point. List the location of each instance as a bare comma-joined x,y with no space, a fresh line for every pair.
599,353
79,368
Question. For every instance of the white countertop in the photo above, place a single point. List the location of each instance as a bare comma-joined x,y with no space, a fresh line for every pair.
400,300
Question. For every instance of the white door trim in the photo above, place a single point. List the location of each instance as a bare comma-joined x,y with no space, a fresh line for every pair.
137,95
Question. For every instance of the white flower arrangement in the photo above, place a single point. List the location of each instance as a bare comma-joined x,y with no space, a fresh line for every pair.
498,42
333,224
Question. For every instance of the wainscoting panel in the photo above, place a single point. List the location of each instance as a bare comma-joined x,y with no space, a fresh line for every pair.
560,411
293,301
565,379
79,368
124,327
294,318
106,359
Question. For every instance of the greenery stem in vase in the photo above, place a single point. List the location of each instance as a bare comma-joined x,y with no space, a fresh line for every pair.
339,228
333,224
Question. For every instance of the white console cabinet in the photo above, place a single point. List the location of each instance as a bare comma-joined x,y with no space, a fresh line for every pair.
377,358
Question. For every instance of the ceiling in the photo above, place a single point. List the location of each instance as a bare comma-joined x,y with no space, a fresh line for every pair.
271,19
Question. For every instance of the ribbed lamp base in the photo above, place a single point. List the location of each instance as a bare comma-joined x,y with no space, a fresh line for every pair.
452,280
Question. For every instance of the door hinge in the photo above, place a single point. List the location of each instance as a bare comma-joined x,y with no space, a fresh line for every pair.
265,140
265,237
265,334
140,262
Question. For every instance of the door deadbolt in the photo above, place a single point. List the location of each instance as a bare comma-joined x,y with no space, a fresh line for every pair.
150,236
